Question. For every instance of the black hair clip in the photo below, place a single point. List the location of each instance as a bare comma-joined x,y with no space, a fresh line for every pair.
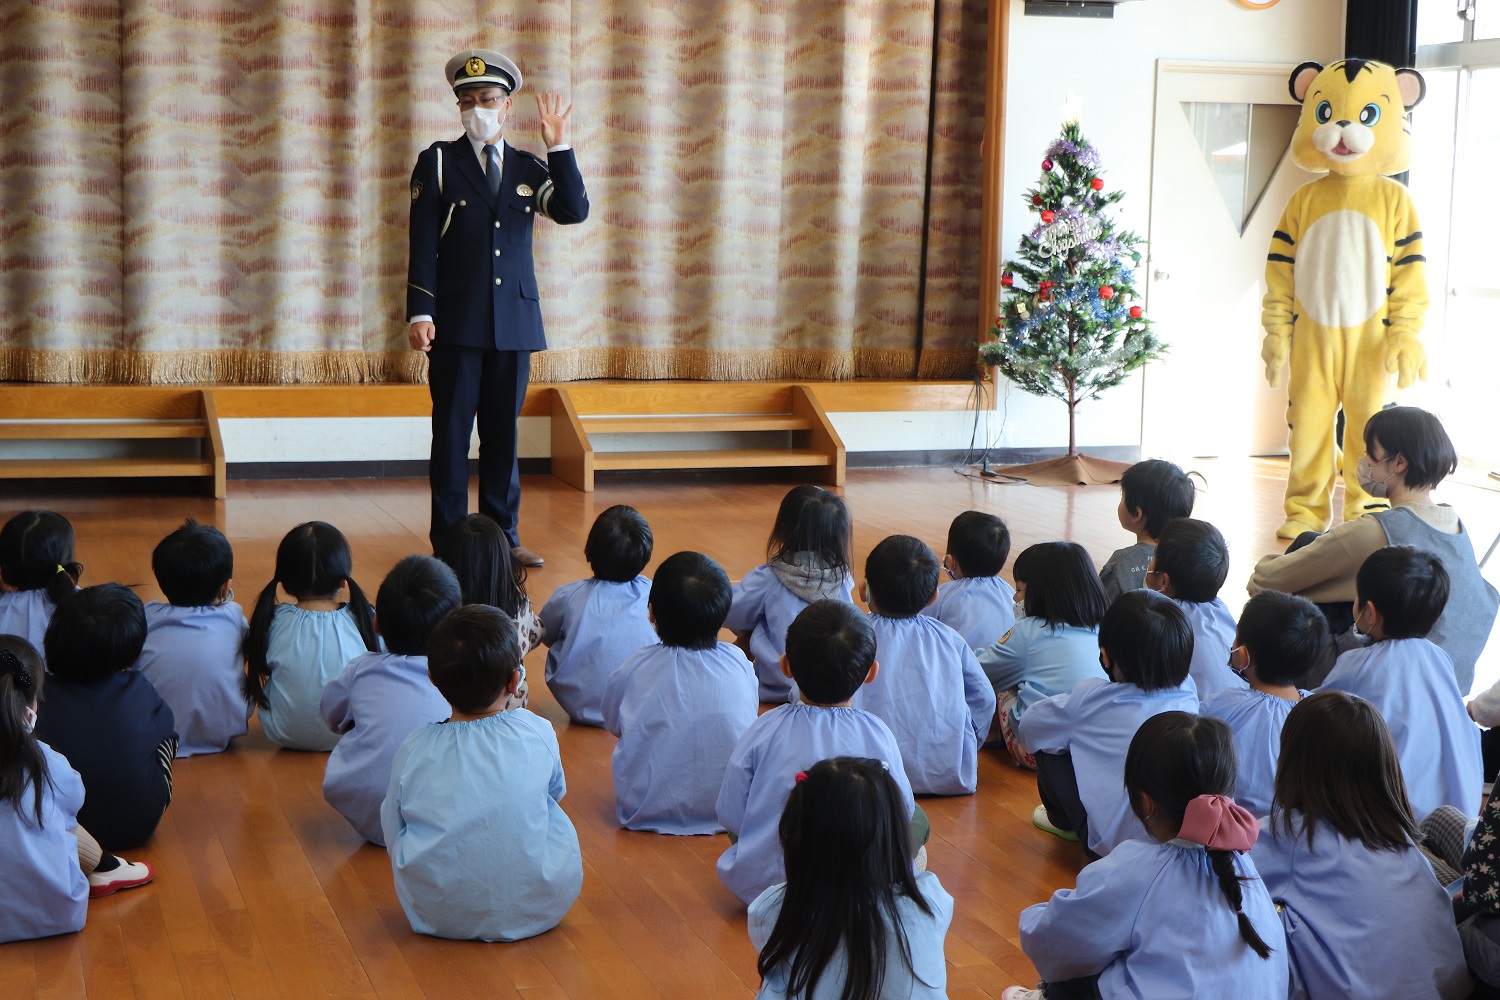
10,662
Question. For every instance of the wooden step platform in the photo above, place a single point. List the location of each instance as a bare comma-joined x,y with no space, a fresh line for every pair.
50,413
581,413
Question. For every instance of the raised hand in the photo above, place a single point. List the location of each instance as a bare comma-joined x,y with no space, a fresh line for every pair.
549,108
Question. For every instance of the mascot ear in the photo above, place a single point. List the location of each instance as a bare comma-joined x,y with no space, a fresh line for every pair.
1302,78
1413,87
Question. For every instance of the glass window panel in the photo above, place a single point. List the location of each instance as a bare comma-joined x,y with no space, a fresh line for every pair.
1438,22
1242,145
1486,19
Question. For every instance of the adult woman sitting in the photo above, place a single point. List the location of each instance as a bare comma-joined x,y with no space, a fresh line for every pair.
1407,454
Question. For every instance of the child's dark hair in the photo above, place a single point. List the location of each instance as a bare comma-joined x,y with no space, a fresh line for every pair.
1407,586
95,632
830,646
312,562
1148,640
1158,489
1286,636
902,575
979,543
619,544
1338,765
36,553
472,655
1062,585
1193,553
690,598
413,598
1174,758
21,759
1418,436
477,551
812,519
193,564
837,898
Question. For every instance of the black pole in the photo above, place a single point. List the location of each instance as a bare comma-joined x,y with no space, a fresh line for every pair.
1385,30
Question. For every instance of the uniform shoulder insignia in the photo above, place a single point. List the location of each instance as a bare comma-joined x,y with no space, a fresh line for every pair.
1006,635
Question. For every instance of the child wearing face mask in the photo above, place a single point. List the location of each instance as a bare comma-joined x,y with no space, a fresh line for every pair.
976,602
1055,641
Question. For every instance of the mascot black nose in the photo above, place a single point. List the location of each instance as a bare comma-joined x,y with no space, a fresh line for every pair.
1342,123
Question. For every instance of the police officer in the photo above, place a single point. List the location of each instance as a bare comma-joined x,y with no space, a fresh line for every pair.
471,285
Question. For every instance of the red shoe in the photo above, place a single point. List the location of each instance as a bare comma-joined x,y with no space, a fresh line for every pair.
127,875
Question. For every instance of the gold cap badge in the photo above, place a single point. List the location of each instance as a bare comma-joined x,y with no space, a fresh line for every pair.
475,66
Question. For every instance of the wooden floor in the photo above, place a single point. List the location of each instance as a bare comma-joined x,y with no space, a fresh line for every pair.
264,891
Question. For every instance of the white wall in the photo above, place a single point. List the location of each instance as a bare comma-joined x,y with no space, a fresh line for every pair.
1111,66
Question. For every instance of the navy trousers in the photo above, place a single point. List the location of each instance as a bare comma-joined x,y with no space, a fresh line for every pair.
470,382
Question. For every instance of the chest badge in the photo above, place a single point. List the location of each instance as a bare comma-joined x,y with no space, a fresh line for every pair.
524,190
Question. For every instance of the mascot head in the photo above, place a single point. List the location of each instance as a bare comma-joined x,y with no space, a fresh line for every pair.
1354,117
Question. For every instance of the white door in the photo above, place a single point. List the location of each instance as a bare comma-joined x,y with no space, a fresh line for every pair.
1220,177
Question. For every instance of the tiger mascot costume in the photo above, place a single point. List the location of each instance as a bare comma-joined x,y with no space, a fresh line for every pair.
1346,279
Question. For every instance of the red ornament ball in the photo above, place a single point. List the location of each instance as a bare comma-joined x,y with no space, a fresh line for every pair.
1136,312
1047,165
1097,184
1107,292
1036,200
1048,216
1007,279
999,320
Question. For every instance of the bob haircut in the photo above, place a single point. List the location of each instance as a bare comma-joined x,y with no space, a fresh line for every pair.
1062,586
1419,437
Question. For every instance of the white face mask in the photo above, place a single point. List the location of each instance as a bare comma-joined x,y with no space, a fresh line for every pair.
1020,605
481,123
1364,469
29,720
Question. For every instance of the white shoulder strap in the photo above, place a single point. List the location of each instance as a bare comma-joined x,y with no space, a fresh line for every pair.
440,169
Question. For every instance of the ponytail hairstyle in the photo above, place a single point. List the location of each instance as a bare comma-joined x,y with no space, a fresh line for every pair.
21,757
36,553
312,562
1174,758
838,898
479,554
812,519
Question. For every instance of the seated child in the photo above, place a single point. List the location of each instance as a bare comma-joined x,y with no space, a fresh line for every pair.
1079,739
1055,641
1189,566
37,569
1364,915
480,847
592,626
679,706
976,602
1280,639
930,690
1401,592
1480,930
293,649
194,643
830,652
381,698
1122,932
884,935
107,719
477,551
51,865
1152,493
807,559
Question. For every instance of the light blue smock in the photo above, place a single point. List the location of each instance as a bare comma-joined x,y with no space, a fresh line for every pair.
979,608
1360,923
26,613
927,979
193,657
762,770
1040,661
1411,681
931,693
1095,723
591,627
1213,636
305,650
1255,721
375,703
765,607
1151,921
45,891
678,713
480,847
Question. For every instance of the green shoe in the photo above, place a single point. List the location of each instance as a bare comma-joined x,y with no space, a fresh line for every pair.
1042,821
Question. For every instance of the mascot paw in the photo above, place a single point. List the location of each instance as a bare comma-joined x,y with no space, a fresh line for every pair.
1405,355
1274,351
1291,529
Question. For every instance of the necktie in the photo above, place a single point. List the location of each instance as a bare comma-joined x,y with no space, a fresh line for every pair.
492,168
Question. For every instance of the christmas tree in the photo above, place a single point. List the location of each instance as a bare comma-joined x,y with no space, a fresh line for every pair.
1070,323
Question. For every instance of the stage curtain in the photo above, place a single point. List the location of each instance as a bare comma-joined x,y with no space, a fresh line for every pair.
218,191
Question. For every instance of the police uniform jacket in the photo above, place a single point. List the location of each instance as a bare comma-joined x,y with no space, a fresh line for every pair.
470,267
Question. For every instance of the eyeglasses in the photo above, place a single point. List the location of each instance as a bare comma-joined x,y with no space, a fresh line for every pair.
488,101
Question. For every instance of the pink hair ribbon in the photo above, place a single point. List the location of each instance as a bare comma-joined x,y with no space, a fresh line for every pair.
1219,824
